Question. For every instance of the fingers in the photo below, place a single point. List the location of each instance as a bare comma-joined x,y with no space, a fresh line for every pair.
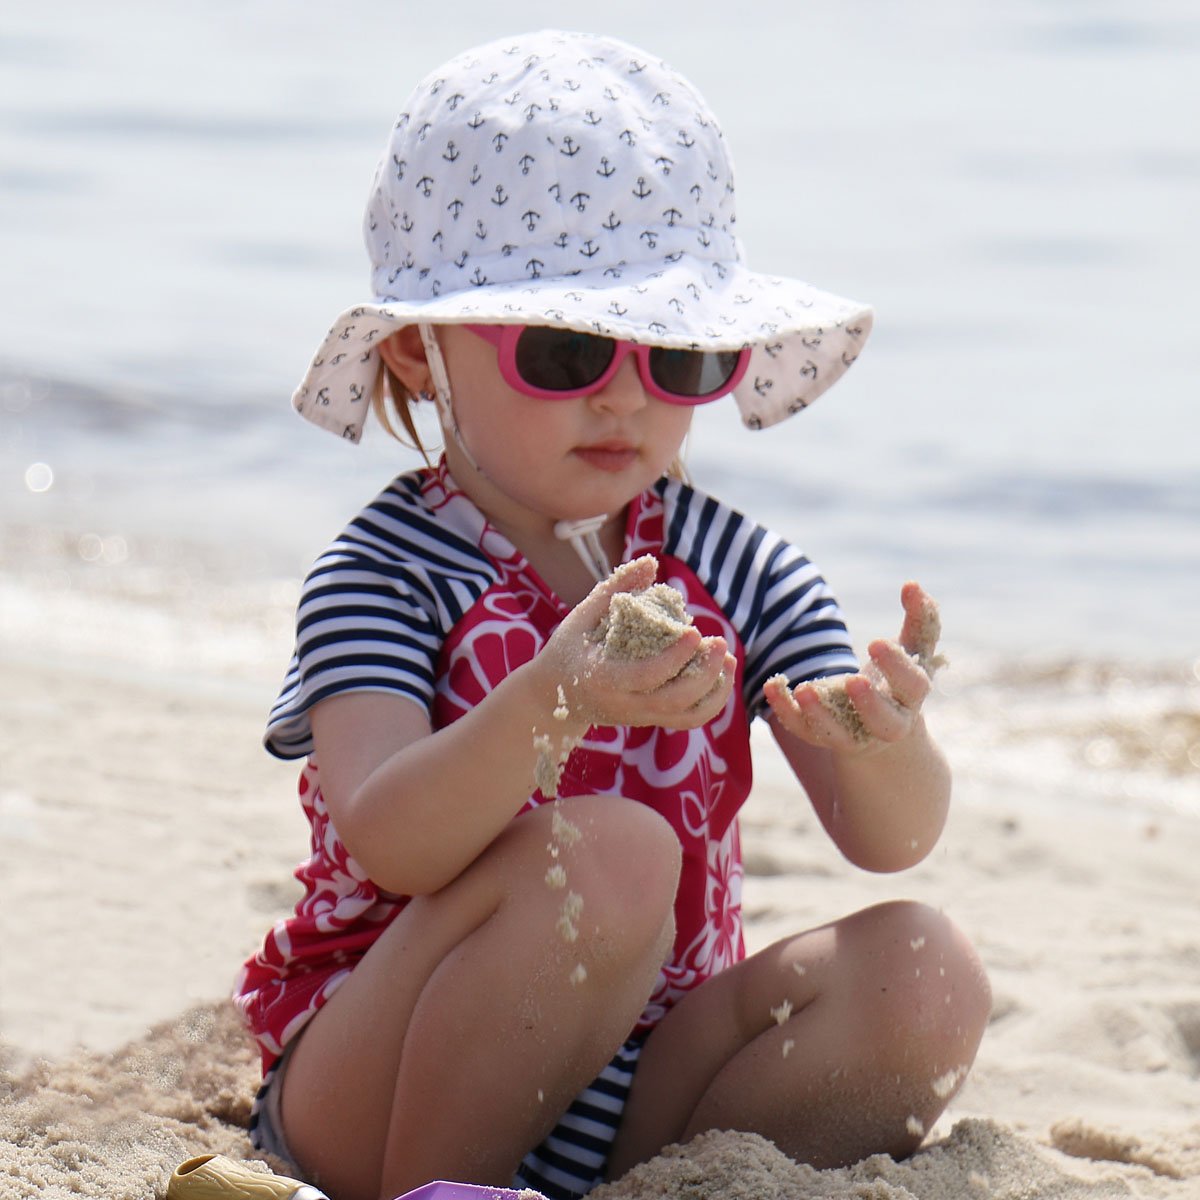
804,713
680,688
632,576
880,704
628,675
882,717
652,672
907,681
922,622
849,713
701,687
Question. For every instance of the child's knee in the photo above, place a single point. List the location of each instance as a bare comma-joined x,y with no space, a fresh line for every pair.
623,860
927,982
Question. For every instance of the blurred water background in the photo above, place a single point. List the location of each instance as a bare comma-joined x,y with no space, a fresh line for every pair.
1015,187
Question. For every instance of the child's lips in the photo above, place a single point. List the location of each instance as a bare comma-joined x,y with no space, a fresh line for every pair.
608,456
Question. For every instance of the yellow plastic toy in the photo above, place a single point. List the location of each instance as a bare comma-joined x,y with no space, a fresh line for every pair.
215,1177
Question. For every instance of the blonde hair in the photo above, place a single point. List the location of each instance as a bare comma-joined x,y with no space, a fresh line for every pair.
392,401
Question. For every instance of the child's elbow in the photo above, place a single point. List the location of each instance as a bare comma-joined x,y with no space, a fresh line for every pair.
888,855
883,864
393,870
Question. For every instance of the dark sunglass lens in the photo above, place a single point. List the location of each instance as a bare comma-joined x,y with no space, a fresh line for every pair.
692,372
562,360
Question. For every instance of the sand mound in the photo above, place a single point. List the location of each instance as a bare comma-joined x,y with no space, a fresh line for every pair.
114,1126
980,1160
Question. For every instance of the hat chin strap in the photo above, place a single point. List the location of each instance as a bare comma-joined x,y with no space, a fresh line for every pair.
583,534
441,389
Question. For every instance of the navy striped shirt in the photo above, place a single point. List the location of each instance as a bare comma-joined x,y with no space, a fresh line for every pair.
381,601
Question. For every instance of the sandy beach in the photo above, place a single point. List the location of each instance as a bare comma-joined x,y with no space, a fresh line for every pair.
1010,185
146,841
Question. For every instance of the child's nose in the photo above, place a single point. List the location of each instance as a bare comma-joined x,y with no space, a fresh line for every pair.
624,392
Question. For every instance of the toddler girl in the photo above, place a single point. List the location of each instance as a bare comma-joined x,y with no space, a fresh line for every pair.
519,956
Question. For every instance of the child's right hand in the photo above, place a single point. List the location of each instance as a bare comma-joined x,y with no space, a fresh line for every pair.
681,687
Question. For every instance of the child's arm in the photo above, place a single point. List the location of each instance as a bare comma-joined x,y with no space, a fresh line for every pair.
415,807
878,782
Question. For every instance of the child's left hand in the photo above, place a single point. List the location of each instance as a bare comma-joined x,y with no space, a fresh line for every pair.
879,706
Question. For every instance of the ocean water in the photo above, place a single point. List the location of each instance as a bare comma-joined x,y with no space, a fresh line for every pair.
1015,187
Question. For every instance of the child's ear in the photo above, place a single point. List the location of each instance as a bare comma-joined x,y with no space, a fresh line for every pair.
403,352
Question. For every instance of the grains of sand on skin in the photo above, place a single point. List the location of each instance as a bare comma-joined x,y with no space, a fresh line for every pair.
780,1014
831,691
643,623
564,832
929,633
943,1085
568,916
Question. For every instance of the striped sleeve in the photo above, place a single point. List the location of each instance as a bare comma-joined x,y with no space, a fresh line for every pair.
375,611
360,626
784,612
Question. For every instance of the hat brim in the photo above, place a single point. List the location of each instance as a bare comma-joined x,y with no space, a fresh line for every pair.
802,339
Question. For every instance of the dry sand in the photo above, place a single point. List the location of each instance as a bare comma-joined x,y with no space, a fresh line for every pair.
146,841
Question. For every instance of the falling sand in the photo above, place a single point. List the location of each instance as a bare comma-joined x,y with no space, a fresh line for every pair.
637,624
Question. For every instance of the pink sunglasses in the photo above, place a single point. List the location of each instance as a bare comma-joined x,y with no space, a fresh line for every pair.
557,364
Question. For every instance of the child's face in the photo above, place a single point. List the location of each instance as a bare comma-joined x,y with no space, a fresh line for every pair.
559,459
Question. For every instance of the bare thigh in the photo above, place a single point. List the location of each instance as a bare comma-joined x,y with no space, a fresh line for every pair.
474,1020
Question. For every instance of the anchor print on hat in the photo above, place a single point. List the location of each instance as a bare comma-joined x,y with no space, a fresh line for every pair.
569,180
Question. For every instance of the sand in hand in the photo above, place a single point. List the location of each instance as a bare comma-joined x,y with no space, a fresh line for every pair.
643,623
637,624
922,648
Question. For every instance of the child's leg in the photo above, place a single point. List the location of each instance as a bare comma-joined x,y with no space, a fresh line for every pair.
887,1008
468,1028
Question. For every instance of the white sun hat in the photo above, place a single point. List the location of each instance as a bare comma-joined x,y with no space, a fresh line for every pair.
570,180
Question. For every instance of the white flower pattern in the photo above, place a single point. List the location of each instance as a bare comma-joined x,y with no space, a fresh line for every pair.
697,779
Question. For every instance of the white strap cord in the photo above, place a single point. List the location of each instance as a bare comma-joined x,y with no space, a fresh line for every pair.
441,388
584,536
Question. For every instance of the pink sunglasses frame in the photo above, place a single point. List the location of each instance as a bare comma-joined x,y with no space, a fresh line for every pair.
505,338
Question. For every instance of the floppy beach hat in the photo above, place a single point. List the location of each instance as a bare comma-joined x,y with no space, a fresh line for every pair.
569,180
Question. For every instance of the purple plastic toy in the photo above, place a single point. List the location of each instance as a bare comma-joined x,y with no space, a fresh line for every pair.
441,1190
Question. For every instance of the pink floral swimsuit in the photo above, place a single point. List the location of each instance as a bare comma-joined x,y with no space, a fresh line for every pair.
420,595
